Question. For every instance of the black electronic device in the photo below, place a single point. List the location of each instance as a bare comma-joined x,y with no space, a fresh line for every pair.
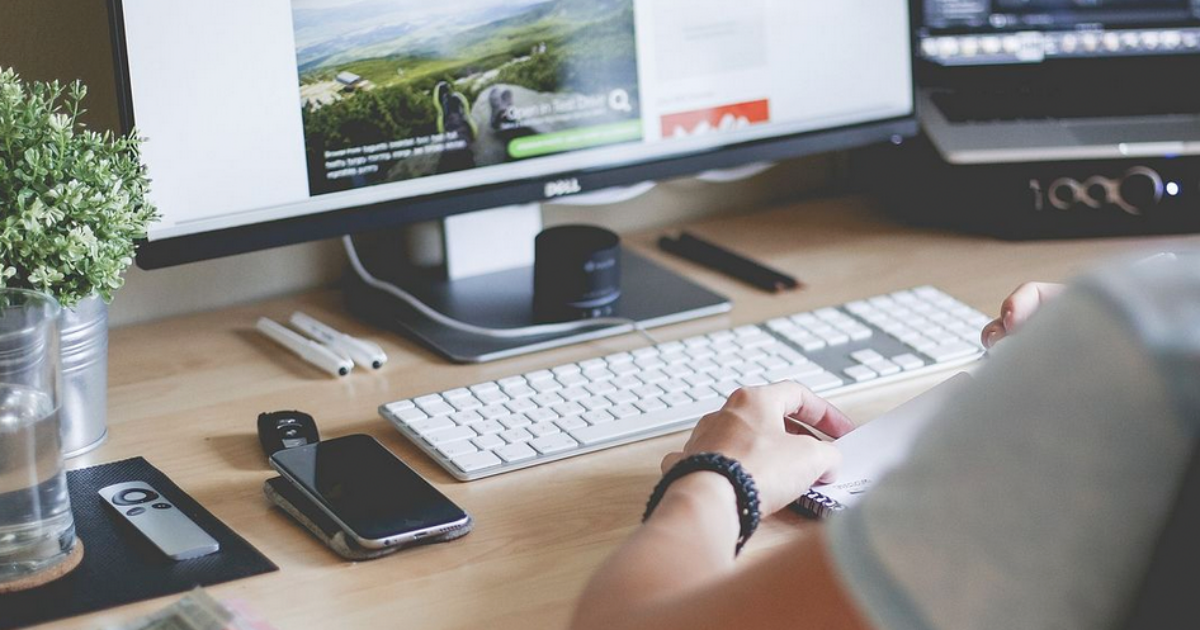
576,272
1036,200
278,430
375,498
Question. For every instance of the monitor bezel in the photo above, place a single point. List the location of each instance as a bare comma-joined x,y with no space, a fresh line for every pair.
167,252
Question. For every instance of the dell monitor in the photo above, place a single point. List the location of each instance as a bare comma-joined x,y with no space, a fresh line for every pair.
280,121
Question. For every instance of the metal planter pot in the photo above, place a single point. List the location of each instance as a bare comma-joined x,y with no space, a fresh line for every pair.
84,347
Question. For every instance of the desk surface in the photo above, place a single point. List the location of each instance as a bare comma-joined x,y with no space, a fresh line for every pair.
185,394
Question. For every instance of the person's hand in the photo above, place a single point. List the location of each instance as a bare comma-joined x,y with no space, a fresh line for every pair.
1017,308
756,428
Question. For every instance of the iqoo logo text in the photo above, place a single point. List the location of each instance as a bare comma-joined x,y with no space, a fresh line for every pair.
561,187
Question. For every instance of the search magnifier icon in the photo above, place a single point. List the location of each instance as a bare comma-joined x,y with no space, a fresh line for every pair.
618,100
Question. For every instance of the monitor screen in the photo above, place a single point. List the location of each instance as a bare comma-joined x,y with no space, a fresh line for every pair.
262,115
982,32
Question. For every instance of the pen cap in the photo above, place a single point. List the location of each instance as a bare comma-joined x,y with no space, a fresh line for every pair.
576,272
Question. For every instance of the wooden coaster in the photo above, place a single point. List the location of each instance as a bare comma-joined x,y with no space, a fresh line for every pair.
49,575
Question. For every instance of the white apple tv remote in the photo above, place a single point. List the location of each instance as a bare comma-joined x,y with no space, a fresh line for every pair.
161,522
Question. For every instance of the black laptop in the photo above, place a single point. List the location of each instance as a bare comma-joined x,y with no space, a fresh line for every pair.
1040,80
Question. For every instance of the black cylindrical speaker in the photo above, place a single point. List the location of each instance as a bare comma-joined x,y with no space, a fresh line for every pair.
576,273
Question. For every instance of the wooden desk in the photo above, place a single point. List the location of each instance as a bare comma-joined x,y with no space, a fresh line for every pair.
185,394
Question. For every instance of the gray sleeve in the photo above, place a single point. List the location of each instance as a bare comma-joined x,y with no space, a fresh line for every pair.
1034,499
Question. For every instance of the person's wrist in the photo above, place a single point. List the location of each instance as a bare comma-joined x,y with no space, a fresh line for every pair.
697,476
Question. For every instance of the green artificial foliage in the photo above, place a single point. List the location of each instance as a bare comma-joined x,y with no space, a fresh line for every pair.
72,201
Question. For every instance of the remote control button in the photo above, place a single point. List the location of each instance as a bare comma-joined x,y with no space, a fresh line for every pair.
135,511
161,506
134,496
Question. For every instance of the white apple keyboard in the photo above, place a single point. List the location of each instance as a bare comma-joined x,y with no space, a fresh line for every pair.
547,415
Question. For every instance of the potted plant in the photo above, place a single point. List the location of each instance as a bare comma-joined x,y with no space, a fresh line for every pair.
72,206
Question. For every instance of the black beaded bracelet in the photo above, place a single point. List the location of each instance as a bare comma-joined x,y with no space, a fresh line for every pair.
743,488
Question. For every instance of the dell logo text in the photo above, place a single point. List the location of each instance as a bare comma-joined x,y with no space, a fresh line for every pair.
561,187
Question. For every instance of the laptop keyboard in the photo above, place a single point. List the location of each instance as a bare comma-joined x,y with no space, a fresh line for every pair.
999,105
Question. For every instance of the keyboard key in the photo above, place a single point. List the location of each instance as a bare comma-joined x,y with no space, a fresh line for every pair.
702,393
600,389
513,436
595,402
573,394
950,351
650,404
491,412
521,405
625,369
676,399
568,409
520,391
409,416
567,424
592,364
621,397
674,385
518,452
571,380
548,399
792,372
400,405
885,368
488,442
624,411
682,415
555,443
546,386
450,435
429,426
541,415
455,449
627,382
467,417
541,429
465,403
648,391
489,427
653,376
820,382
437,408
599,375
908,361
866,357
476,461
491,397
753,380
598,416
519,420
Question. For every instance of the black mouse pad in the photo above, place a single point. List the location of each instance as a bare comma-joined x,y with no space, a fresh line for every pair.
120,566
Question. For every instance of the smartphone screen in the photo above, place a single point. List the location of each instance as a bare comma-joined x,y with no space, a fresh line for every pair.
368,490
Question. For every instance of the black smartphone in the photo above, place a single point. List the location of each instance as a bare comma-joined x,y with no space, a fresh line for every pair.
372,495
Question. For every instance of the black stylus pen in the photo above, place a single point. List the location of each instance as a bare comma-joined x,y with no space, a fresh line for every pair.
718,258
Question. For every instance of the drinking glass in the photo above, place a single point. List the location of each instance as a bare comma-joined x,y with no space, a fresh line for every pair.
37,530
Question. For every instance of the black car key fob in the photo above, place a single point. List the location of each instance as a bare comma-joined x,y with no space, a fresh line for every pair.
278,430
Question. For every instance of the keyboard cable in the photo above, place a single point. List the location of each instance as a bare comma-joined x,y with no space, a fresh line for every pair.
629,324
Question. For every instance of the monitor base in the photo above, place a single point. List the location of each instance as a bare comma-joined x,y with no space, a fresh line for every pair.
650,294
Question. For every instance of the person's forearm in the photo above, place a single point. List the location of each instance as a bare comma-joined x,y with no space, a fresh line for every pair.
688,541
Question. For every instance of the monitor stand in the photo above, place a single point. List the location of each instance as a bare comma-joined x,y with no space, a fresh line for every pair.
503,298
